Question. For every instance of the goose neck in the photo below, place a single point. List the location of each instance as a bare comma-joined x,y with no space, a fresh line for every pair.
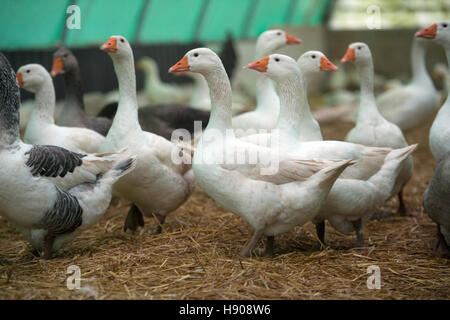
261,50
154,75
267,100
295,117
127,110
367,108
151,74
418,64
126,77
45,103
220,95
74,88
445,109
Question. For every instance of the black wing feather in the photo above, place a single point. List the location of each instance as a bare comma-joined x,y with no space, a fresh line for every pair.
52,161
65,216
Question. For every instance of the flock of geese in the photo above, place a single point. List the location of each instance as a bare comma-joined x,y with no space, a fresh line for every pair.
270,165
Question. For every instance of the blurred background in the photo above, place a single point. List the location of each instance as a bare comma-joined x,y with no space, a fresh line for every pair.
166,29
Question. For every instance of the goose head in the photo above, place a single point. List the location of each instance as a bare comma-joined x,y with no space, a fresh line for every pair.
276,66
314,61
31,77
359,53
279,66
117,47
272,40
438,32
63,61
147,64
200,60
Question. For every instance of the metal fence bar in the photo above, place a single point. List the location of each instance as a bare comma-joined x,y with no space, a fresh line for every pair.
249,18
141,19
200,20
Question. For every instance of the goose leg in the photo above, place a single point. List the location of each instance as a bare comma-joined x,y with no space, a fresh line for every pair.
35,252
402,211
134,219
269,246
441,246
247,249
48,245
357,225
320,230
160,221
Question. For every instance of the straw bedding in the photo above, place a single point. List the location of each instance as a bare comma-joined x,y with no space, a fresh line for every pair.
196,256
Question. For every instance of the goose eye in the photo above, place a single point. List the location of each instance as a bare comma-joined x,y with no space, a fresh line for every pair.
313,56
359,48
277,59
444,25
196,54
122,40
28,71
66,55
278,33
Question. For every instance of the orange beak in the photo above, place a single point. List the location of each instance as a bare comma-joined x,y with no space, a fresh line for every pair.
259,65
327,65
292,40
58,67
349,55
110,46
19,78
428,33
180,66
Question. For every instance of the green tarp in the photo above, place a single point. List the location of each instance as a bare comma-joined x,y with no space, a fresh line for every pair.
32,24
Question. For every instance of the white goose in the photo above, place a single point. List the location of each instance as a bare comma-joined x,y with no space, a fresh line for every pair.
297,131
267,102
312,62
272,203
158,185
346,211
31,176
200,94
441,72
440,130
158,91
41,128
352,202
408,106
371,128
436,202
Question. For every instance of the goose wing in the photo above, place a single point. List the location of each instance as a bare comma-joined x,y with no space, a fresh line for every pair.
52,161
265,164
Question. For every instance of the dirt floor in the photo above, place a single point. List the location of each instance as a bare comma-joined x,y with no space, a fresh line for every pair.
196,257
